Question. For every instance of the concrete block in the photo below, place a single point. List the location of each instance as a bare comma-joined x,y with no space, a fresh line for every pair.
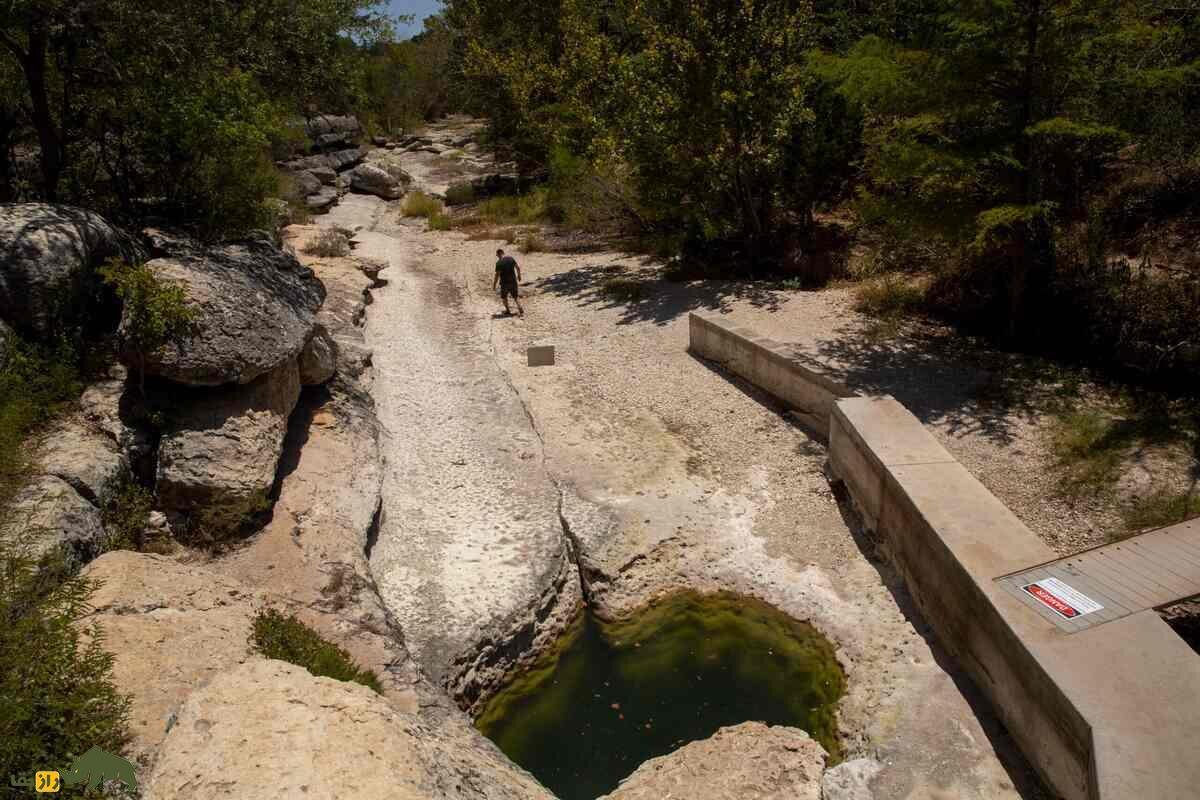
540,356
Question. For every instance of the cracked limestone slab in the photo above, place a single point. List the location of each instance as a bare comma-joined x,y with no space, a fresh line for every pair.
471,557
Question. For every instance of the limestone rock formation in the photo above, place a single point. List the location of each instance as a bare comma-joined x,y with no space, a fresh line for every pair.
306,183
257,309
382,180
217,460
48,513
48,257
318,360
322,199
171,627
106,407
326,175
315,737
337,160
327,130
347,281
85,458
750,760
850,780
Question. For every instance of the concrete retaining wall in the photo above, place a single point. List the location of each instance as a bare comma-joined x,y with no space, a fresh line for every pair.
791,377
1109,713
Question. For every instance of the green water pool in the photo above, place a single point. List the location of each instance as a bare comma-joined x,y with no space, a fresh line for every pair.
610,696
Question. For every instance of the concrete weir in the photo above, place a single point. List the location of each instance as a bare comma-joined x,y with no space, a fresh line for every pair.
1109,713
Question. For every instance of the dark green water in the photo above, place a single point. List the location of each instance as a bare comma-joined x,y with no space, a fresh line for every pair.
612,696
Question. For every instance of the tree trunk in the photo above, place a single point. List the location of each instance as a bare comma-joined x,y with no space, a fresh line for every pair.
34,67
1033,23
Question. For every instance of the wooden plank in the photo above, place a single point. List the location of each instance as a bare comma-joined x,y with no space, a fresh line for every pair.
1135,559
1118,580
1165,561
1128,563
1177,546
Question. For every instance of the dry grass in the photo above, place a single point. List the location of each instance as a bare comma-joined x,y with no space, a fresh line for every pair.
419,204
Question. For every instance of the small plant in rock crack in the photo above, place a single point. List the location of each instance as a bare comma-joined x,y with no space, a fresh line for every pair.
284,637
329,243
154,311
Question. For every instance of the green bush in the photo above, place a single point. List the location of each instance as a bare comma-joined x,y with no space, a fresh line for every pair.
1161,509
155,311
57,697
125,519
624,287
35,383
522,209
440,221
889,295
419,204
459,194
286,638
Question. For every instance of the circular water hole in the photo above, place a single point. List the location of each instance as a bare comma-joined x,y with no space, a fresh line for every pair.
610,696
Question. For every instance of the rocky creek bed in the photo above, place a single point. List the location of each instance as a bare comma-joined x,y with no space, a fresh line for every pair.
465,526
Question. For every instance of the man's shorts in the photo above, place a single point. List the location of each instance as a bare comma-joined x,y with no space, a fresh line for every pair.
508,289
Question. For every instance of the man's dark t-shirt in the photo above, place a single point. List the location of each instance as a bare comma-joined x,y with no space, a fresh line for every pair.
506,268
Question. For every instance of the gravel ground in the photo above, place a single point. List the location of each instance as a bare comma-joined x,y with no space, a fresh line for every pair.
677,475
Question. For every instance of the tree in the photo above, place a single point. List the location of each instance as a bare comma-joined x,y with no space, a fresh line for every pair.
988,127
105,84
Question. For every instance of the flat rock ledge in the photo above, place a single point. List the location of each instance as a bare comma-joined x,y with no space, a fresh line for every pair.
317,737
750,761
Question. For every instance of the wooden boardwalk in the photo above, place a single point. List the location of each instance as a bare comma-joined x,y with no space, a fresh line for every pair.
1105,583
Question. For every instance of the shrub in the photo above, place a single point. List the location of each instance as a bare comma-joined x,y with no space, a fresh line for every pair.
440,221
623,287
419,204
35,383
889,295
57,698
460,194
522,209
1161,509
329,243
155,311
125,518
532,243
286,638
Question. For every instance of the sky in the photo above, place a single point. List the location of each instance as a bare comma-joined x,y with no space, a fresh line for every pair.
420,9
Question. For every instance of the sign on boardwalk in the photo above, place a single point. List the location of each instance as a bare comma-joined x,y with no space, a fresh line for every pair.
1062,599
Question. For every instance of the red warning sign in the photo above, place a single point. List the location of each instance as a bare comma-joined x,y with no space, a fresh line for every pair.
1064,600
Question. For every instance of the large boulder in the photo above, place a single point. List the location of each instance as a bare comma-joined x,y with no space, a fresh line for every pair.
382,180
271,730
48,260
306,183
171,627
747,760
48,514
326,175
327,130
318,360
256,309
85,458
217,460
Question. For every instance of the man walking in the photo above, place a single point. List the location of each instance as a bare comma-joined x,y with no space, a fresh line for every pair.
508,276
